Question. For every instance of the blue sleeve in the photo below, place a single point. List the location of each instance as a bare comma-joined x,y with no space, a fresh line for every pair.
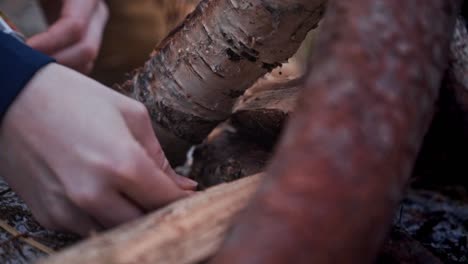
18,64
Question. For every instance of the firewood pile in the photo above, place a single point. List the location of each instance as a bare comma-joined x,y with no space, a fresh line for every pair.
390,123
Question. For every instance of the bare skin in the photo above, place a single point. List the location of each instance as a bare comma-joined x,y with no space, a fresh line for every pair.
75,35
82,156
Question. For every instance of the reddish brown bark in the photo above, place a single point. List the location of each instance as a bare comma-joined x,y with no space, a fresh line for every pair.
349,150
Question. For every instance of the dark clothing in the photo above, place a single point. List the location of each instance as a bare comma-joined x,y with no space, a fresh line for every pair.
18,64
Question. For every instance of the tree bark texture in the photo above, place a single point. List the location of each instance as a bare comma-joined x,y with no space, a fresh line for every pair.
226,156
347,154
261,116
194,77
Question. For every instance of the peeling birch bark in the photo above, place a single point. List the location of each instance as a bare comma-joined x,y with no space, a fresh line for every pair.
194,77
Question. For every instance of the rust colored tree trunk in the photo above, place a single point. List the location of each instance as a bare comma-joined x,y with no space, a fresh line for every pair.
348,152
194,77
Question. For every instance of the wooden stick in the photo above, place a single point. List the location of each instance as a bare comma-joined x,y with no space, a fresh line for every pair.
33,243
187,231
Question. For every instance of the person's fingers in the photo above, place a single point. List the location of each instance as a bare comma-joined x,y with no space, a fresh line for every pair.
108,208
139,122
68,29
82,9
142,182
88,68
60,35
184,182
82,55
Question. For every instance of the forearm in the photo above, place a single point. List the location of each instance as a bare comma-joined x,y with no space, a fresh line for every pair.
18,64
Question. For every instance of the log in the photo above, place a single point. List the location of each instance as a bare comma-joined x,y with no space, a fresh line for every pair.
193,78
188,231
226,156
264,108
347,154
262,115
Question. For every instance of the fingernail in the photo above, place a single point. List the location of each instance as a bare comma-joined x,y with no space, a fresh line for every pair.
186,182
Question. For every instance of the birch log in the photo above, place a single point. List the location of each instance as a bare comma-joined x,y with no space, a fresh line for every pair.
193,78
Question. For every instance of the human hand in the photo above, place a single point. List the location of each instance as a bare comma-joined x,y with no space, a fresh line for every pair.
74,38
83,156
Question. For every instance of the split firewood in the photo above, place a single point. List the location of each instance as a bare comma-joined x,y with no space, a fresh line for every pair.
194,77
226,156
188,231
242,146
348,152
261,115
261,112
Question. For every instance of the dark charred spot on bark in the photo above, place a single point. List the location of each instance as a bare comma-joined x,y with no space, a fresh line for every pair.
273,11
254,52
464,12
229,40
270,66
235,93
249,57
181,124
248,53
232,55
